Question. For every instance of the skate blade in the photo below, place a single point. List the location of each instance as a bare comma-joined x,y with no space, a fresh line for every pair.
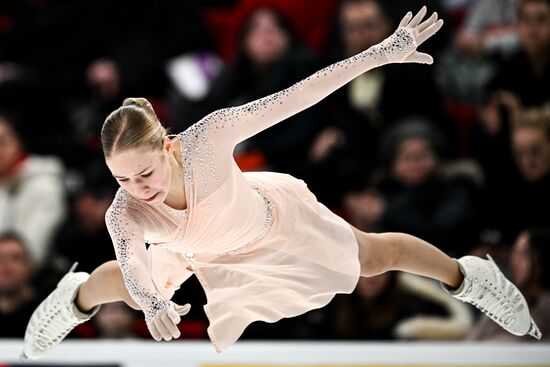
534,330
73,268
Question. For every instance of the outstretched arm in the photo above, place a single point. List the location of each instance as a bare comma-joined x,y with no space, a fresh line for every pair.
161,315
236,124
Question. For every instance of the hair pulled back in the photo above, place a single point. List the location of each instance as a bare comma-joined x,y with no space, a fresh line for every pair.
134,125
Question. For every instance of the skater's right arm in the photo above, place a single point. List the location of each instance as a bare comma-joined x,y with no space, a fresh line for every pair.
126,230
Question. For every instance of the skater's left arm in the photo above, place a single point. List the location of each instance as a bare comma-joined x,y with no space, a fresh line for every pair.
235,124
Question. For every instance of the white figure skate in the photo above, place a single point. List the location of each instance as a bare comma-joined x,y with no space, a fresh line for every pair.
486,288
55,317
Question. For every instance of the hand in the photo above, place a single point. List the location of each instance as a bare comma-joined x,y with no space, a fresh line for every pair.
411,33
325,142
165,323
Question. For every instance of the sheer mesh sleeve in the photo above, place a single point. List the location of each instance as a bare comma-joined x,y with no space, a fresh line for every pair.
209,143
127,234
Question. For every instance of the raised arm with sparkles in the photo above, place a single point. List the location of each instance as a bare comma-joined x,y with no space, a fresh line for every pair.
247,120
209,143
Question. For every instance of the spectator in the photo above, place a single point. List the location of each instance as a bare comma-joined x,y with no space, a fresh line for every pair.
18,298
269,58
520,81
85,228
413,193
528,263
363,109
31,193
116,321
526,190
400,306
488,27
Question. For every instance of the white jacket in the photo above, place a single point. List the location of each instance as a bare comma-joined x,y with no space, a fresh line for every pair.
32,203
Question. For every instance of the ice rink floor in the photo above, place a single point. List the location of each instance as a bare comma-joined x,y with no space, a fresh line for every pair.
288,354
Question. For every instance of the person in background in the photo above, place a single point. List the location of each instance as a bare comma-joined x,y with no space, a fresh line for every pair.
521,81
32,201
488,27
414,194
361,111
400,306
526,190
116,321
269,58
18,297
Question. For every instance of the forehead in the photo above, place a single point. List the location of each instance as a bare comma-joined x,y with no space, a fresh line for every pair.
529,135
4,128
540,8
9,245
132,161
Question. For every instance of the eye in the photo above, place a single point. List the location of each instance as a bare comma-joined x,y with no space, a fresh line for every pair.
147,174
122,179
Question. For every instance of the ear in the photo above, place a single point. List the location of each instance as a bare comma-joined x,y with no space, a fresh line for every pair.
167,145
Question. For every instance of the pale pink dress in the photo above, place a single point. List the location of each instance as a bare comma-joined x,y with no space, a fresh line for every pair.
260,244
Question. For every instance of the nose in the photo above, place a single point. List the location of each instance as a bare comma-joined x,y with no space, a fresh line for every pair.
140,188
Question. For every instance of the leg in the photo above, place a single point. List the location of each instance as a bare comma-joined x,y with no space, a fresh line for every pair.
382,252
472,279
104,285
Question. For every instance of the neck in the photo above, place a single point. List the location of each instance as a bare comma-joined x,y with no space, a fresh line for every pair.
14,166
176,196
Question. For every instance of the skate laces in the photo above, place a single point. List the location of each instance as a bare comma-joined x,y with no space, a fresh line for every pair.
497,297
56,322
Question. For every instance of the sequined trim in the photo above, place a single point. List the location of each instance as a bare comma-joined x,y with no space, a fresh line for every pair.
118,221
267,224
198,151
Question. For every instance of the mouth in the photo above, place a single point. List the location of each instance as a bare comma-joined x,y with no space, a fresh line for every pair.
151,198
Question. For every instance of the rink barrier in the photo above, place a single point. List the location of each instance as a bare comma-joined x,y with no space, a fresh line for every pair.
130,353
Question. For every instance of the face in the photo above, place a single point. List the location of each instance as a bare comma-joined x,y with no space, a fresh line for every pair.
144,174
265,41
15,266
10,147
531,149
372,287
363,25
115,320
415,161
533,27
520,260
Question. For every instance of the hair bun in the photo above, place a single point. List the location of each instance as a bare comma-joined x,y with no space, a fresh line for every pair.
139,102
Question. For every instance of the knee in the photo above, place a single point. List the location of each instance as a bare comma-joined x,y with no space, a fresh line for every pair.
111,271
113,274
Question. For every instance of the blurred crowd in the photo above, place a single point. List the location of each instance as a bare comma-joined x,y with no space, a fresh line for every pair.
457,153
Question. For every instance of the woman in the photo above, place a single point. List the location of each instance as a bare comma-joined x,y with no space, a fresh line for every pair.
261,245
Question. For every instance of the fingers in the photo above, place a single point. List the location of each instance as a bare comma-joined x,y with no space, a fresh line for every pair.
420,58
406,19
164,325
154,332
428,32
167,327
183,310
418,17
428,22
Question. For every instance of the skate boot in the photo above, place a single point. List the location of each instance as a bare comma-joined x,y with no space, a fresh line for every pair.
55,317
486,288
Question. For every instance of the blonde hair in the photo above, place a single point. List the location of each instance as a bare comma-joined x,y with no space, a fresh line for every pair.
133,125
538,118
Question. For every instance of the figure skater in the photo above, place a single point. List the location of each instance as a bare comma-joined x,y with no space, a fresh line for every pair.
260,244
